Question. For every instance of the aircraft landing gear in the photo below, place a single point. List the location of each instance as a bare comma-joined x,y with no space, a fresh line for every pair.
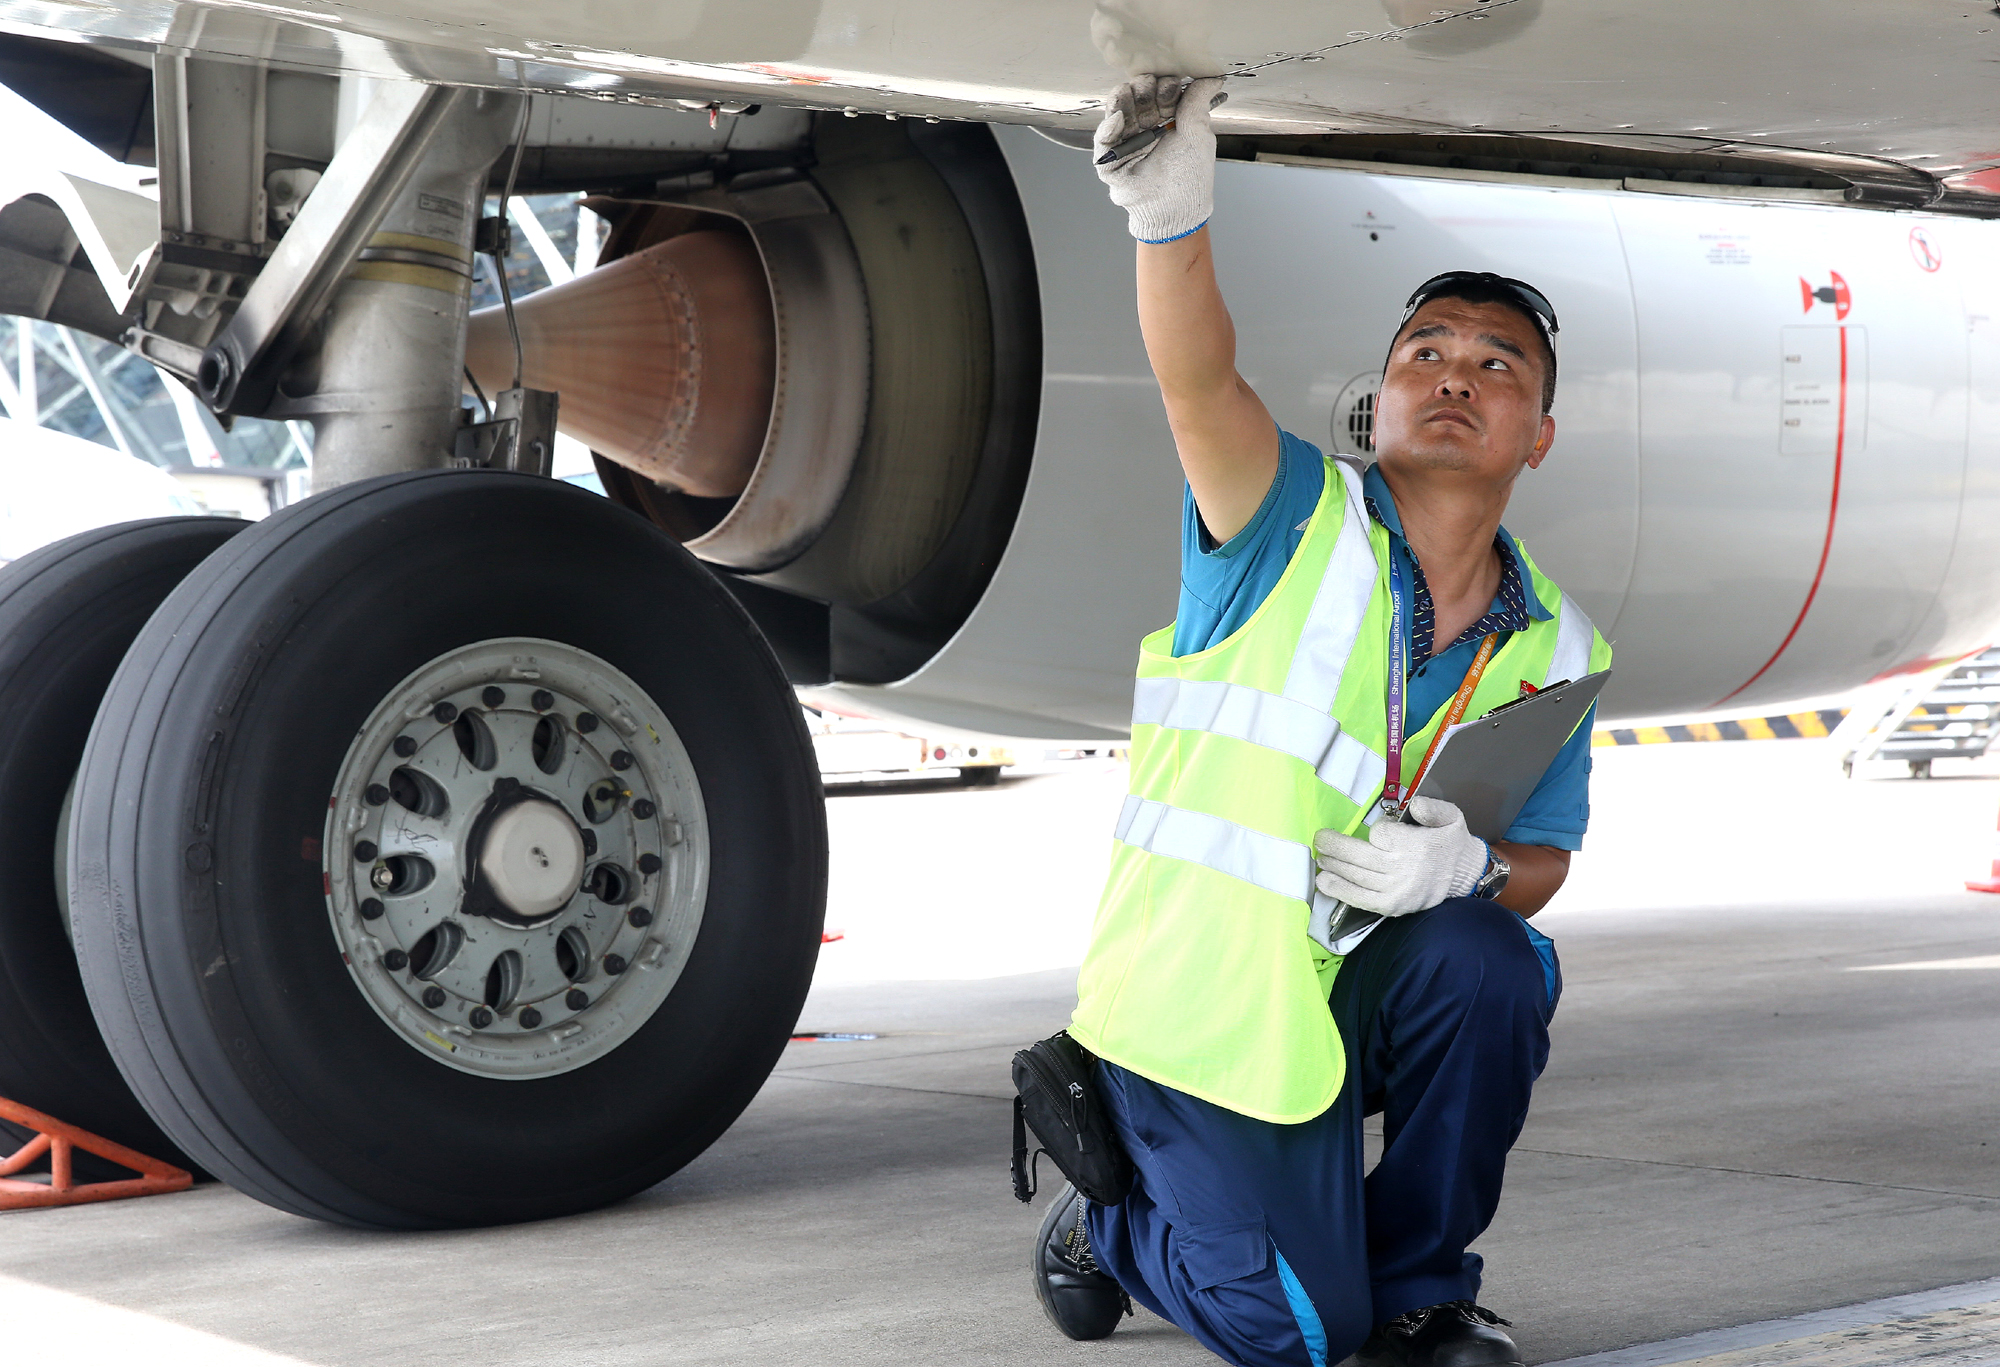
448,852
448,849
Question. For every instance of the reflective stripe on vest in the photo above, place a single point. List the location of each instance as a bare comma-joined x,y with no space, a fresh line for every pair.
1574,635
1281,866
1334,624
1286,725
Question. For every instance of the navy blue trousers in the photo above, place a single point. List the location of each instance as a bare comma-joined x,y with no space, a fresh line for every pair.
1269,1243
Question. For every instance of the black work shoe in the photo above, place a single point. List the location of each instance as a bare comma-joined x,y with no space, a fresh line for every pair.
1079,1297
1454,1334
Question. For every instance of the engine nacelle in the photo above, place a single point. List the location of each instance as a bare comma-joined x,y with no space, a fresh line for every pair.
1759,492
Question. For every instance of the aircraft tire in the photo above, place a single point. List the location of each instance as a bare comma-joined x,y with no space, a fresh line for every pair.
238,813
68,611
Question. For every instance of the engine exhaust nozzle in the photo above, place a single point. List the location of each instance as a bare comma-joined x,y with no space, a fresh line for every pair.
665,359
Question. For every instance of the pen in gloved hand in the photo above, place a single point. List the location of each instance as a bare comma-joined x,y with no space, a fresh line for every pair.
1164,184
1146,137
1137,142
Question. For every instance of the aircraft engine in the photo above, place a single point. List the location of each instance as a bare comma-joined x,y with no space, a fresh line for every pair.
1777,426
821,379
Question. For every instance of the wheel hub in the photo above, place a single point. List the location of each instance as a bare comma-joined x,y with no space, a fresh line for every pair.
516,858
533,858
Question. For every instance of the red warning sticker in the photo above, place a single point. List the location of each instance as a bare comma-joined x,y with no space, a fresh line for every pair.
1836,294
1924,251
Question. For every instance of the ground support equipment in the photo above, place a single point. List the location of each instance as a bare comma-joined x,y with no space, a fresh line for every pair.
1953,717
58,1141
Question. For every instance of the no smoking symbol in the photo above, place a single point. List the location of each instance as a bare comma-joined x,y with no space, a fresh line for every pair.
1924,251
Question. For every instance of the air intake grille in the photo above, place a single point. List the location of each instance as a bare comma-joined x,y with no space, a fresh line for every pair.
1354,416
1361,423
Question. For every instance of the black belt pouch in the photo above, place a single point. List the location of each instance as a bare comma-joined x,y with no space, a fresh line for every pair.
1057,1099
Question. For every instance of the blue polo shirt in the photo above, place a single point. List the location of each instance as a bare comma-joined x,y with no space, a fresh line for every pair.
1221,586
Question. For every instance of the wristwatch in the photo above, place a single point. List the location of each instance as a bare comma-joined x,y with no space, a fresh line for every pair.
1495,877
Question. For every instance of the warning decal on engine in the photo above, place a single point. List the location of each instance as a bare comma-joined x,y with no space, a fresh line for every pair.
1823,390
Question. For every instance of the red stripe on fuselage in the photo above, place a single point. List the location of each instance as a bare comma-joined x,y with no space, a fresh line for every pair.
1826,546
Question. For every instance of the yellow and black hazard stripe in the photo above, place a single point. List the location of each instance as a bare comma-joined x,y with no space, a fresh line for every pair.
1791,726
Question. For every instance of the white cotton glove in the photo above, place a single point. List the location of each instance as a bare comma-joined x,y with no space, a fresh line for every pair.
1401,868
1167,189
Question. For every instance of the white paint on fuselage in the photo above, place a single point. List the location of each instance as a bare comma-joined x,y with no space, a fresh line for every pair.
1870,80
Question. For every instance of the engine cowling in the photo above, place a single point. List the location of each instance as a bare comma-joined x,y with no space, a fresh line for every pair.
1741,541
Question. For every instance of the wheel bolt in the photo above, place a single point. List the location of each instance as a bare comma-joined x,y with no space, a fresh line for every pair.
643,808
377,795
589,842
480,1018
649,863
530,1018
614,964
621,759
444,711
370,909
364,851
576,999
383,877
586,722
405,746
396,961
493,696
542,699
639,916
433,997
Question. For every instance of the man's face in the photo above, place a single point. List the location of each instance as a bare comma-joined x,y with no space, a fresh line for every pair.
1463,392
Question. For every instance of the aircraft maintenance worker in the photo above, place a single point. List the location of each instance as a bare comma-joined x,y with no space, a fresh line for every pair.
1261,733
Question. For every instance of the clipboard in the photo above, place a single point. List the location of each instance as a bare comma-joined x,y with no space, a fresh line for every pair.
1488,768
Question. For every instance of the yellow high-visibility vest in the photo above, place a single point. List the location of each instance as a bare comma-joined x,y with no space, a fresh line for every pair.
1200,973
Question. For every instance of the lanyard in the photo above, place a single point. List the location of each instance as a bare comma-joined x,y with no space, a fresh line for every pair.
1392,783
1393,799
1457,708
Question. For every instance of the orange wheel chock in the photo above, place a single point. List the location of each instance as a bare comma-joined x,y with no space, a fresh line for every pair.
57,1140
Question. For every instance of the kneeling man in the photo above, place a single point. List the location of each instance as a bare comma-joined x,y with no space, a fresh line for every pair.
1331,618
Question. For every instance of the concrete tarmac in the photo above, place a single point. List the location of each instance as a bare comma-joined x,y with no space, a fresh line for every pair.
1761,1103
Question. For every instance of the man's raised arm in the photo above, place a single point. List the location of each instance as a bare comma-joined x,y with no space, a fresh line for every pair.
1227,441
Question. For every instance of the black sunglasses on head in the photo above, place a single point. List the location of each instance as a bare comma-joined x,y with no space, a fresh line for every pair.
1527,295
